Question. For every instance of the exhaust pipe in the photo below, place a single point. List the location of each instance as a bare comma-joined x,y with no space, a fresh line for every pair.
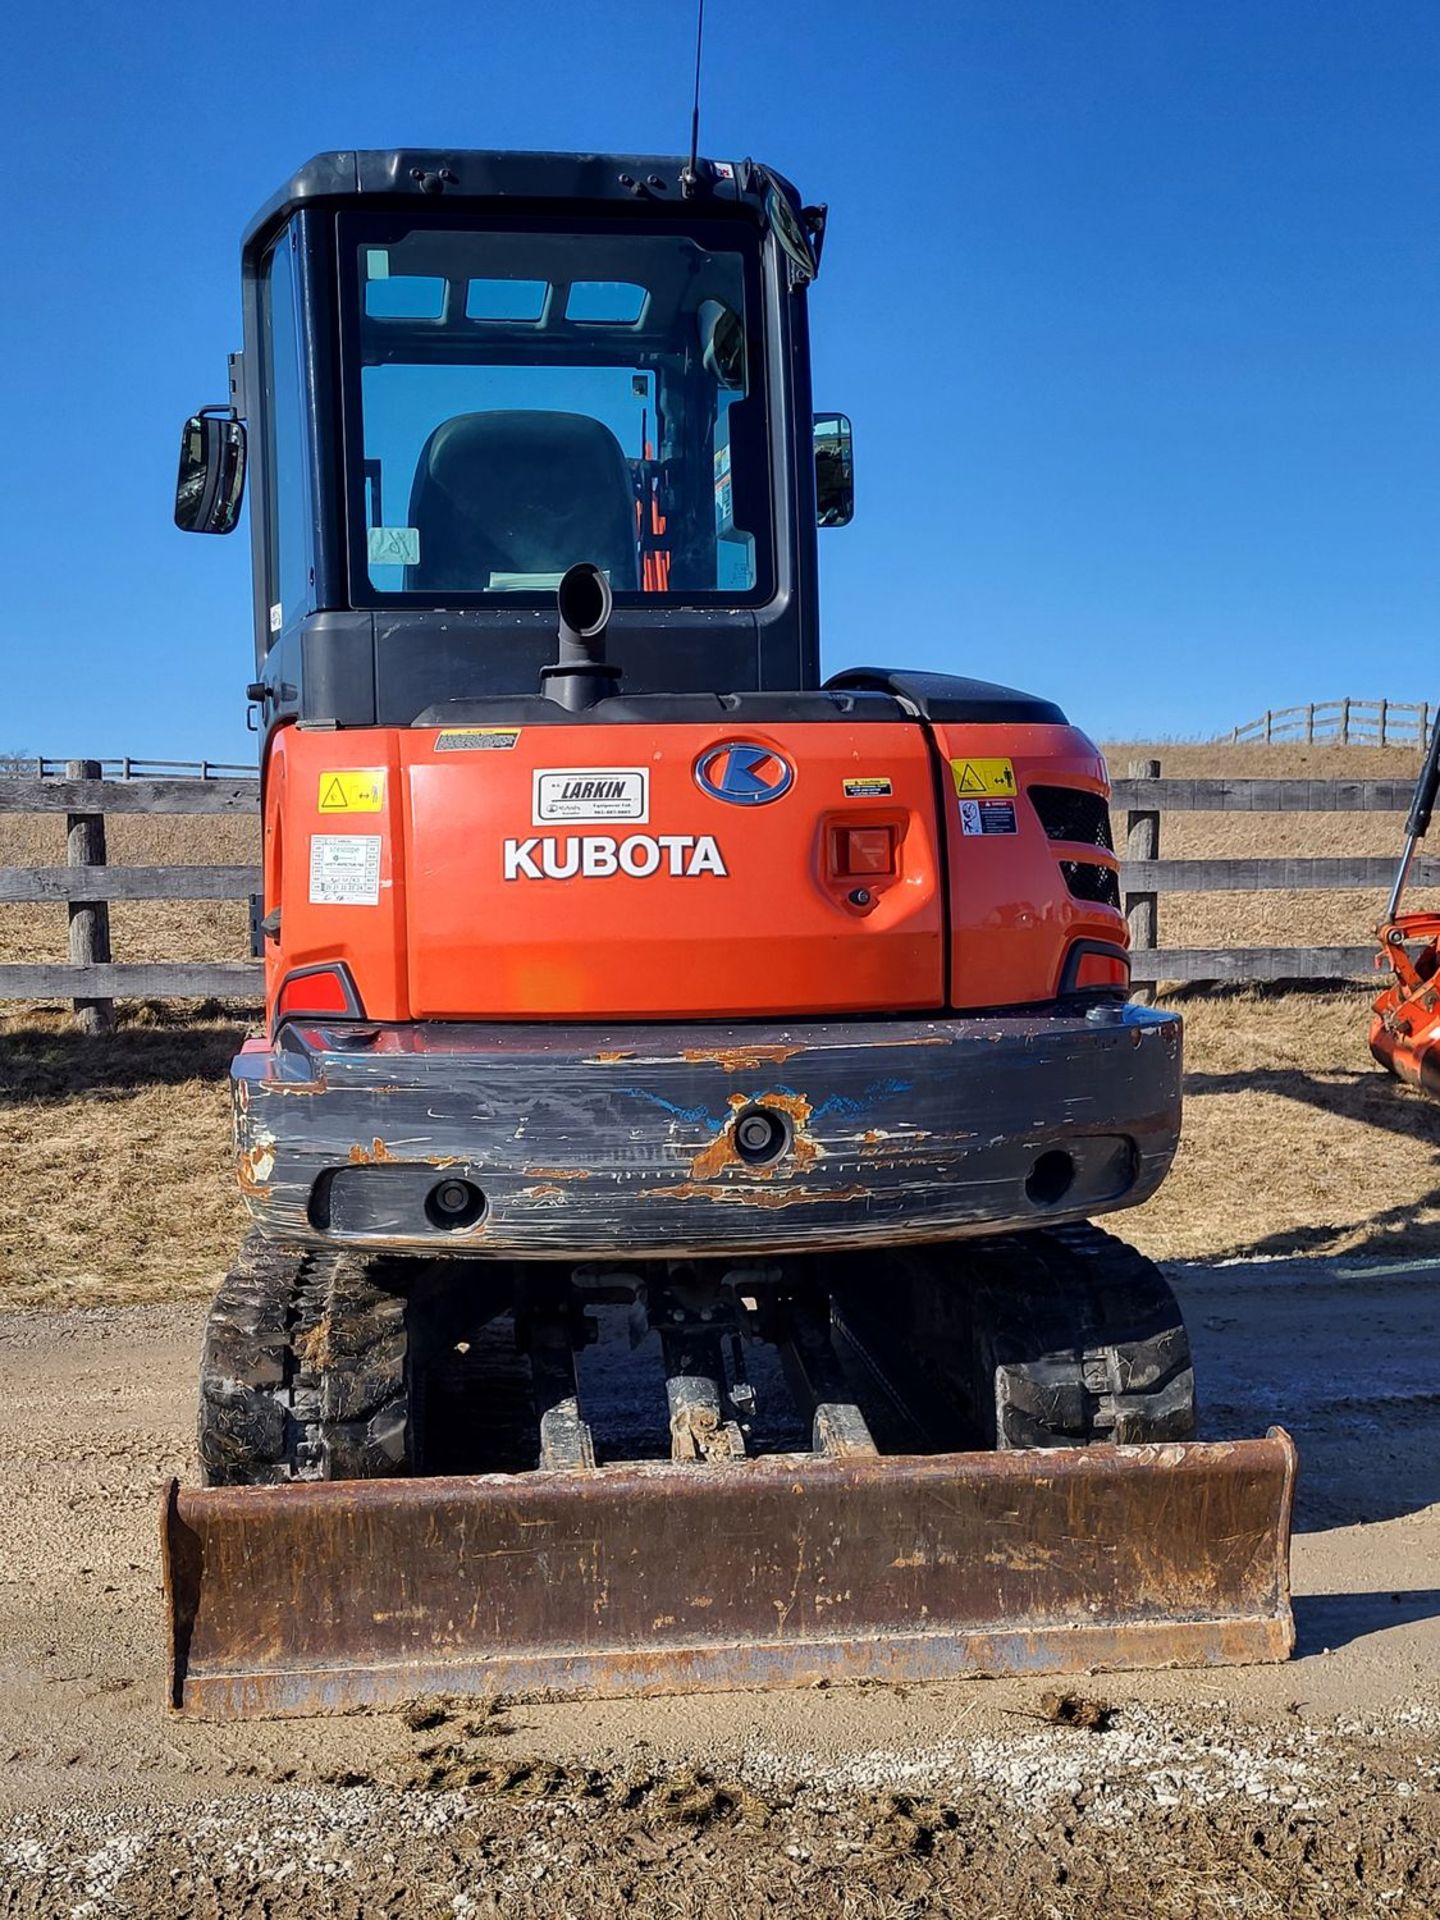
581,675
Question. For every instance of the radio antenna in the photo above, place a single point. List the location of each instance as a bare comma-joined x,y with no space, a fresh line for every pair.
690,178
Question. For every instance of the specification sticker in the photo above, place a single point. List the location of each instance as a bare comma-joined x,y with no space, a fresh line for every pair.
345,869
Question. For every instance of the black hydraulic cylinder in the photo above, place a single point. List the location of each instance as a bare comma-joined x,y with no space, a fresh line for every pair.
1423,804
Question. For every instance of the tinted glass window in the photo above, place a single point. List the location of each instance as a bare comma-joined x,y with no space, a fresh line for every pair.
582,395
291,528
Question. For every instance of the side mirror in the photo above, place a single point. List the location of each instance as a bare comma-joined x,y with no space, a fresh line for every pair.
211,482
834,471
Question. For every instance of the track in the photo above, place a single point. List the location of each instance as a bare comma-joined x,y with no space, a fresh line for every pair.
96,1408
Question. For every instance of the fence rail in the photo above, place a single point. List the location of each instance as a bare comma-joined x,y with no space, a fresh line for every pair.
40,767
87,883
1346,723
88,793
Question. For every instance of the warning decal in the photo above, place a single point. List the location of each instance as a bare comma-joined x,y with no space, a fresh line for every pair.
476,739
345,869
987,816
872,786
976,777
352,790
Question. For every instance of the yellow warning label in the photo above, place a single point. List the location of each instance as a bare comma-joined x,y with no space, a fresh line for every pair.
353,790
976,777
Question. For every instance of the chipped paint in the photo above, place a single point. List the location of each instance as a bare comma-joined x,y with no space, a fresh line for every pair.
254,1168
741,1059
377,1154
771,1198
723,1153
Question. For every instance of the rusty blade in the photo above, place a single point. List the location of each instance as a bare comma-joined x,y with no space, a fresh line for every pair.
781,1572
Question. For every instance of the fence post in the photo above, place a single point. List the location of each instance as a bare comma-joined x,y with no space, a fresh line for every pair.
1310,722
1142,842
89,919
1384,718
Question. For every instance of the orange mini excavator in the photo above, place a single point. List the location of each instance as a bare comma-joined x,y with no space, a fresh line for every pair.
1405,1029
685,1082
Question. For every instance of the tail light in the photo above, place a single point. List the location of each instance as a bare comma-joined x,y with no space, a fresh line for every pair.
1095,966
324,989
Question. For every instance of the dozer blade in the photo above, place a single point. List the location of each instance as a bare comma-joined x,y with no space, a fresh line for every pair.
787,1571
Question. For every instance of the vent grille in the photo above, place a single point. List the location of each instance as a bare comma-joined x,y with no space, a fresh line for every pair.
1090,882
1070,813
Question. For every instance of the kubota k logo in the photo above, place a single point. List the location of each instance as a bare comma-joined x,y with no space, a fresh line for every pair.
744,775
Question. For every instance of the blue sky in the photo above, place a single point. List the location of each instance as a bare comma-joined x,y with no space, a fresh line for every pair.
1135,305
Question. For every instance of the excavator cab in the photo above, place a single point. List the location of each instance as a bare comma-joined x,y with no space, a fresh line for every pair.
685,1083
467,378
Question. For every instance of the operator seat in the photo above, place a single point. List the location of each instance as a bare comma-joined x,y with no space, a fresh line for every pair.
515,492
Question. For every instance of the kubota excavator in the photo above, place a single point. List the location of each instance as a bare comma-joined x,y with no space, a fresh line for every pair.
686,1082
1405,1028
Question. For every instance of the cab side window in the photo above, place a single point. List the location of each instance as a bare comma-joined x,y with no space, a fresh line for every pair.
291,584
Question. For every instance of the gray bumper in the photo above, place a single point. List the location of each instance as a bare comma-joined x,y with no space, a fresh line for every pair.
622,1143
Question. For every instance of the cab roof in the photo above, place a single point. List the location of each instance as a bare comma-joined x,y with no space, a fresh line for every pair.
432,174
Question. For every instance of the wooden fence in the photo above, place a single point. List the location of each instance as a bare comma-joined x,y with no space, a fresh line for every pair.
85,885
1344,723
124,767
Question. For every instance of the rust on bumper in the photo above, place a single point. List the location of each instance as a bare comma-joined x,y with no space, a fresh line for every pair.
781,1572
591,1141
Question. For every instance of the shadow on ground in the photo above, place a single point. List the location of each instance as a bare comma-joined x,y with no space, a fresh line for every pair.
1375,1100
44,1062
1324,1622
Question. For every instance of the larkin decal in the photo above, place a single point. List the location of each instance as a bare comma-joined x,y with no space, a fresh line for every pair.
597,856
591,796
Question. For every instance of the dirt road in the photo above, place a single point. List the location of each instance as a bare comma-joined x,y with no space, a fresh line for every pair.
1311,1789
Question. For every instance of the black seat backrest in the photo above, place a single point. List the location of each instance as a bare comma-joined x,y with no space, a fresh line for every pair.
521,493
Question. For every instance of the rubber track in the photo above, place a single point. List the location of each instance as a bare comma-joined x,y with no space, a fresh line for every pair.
303,1372
1090,1345
1059,1337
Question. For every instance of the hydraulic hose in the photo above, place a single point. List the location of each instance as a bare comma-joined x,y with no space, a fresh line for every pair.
1417,824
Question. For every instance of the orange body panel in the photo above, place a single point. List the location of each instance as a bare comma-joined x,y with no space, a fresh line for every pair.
1013,918
1405,1032
484,874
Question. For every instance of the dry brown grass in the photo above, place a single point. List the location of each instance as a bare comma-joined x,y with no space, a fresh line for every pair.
139,929
1295,1141
118,1183
1273,919
116,1151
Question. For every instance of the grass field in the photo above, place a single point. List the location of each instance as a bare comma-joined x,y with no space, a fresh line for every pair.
116,1181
